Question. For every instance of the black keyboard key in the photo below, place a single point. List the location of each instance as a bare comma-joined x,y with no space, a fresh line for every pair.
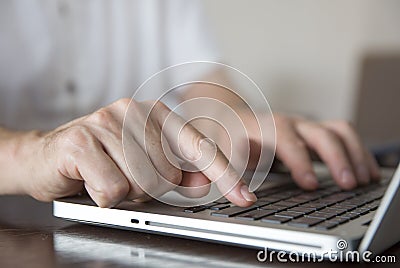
273,198
255,214
290,214
219,206
285,204
261,203
305,222
322,215
350,215
296,200
275,219
270,199
309,196
272,207
326,202
195,209
316,205
302,209
326,225
266,193
361,211
371,206
341,207
231,211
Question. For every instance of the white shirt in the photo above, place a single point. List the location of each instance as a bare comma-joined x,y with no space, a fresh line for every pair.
63,59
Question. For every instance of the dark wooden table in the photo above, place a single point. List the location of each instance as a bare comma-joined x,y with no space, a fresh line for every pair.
31,237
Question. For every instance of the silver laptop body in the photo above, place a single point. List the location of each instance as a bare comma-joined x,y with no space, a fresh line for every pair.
374,231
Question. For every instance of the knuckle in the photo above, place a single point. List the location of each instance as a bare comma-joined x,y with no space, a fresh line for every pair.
78,136
106,120
124,102
156,106
101,117
194,152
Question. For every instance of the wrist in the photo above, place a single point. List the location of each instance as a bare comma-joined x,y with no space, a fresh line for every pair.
18,160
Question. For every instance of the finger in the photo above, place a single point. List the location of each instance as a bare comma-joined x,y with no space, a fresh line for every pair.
355,149
189,144
139,124
196,185
102,178
106,125
331,150
373,167
292,150
144,175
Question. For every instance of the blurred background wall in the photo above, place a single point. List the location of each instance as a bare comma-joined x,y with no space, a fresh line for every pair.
309,56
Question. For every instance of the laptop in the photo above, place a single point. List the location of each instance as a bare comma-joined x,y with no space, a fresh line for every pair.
285,217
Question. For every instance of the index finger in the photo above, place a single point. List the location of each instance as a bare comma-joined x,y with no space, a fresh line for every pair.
192,146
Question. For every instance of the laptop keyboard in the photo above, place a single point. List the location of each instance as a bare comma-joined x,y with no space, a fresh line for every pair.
323,209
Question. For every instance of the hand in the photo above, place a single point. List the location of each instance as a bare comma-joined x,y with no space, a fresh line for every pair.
87,152
335,142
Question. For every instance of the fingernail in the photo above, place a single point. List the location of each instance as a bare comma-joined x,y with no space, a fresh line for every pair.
363,174
311,180
251,197
348,179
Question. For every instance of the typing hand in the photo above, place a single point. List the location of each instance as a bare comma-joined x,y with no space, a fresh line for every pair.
87,152
336,143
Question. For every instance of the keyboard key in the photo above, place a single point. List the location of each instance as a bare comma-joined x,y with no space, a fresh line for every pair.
302,209
261,203
231,211
361,211
321,215
296,200
350,215
333,210
316,205
309,196
286,204
255,214
270,199
266,193
305,222
272,207
274,198
275,219
195,209
371,206
290,214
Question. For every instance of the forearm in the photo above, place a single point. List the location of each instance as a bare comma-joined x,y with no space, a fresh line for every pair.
17,156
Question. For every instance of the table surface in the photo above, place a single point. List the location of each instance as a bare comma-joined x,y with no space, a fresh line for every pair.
31,237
